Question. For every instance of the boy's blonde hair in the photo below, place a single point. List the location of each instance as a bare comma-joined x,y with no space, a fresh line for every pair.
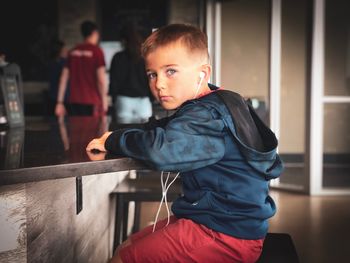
190,36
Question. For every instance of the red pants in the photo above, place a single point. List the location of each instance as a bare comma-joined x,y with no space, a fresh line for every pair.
186,241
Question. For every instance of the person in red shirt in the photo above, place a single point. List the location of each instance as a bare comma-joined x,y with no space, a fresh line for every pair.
86,73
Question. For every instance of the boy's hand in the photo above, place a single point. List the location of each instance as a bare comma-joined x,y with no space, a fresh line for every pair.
98,143
96,156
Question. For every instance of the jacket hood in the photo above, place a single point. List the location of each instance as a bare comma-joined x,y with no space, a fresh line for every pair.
265,159
257,143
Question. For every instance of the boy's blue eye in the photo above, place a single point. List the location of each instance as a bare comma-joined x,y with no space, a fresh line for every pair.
171,72
151,75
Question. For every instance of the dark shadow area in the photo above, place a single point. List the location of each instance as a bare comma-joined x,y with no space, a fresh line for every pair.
27,41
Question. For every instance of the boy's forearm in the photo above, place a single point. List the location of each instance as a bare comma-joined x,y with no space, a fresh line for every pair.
113,142
168,149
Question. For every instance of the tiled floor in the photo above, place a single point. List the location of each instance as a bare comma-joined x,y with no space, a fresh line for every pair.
319,226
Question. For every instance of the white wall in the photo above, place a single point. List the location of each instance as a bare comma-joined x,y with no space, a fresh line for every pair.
245,47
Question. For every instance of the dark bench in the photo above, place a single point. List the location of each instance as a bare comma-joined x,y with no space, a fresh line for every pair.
278,248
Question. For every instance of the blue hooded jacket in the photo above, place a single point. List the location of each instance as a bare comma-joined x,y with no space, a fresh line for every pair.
225,181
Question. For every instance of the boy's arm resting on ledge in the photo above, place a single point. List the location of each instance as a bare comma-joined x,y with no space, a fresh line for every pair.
99,143
191,140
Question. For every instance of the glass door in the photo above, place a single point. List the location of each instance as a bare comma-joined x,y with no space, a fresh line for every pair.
330,100
289,64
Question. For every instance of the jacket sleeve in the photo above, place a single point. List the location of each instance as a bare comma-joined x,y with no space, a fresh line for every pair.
191,140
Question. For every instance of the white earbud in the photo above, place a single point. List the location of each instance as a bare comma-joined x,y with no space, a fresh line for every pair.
201,76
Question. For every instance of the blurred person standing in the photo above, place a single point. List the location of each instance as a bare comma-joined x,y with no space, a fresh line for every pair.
86,73
59,55
128,83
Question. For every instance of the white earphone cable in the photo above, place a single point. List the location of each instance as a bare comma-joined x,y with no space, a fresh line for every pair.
165,189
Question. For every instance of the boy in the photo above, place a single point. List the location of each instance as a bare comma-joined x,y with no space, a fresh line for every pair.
222,215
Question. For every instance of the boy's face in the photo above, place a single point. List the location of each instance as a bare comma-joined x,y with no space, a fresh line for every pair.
173,74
